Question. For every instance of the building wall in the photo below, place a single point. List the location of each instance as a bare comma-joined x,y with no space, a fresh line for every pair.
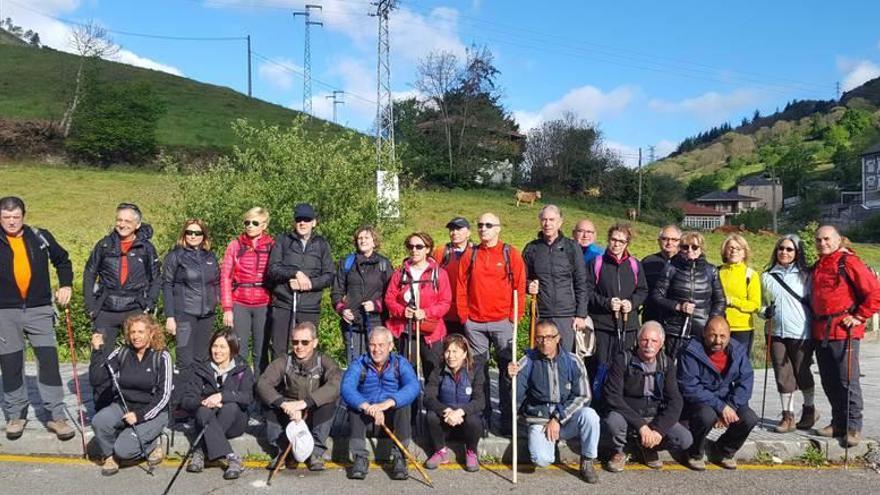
764,193
702,222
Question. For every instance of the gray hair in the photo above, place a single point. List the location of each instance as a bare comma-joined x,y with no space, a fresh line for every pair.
670,226
548,208
651,325
131,207
306,325
380,330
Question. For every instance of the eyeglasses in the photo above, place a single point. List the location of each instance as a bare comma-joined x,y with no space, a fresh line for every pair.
300,342
584,231
194,233
618,241
734,248
417,247
252,223
785,249
540,339
302,219
690,247
487,225
669,239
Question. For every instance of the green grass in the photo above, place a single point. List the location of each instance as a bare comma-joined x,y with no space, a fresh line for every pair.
38,83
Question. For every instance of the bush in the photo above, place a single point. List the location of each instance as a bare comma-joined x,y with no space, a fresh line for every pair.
754,220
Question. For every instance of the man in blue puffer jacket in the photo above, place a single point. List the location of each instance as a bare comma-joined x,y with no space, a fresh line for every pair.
716,379
377,384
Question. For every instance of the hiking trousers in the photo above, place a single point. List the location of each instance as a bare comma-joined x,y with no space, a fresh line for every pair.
115,437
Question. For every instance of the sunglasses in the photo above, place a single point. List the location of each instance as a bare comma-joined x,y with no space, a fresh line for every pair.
417,247
487,225
300,342
252,223
194,233
540,339
690,247
302,219
785,249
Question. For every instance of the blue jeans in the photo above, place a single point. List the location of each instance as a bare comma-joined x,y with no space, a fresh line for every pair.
583,424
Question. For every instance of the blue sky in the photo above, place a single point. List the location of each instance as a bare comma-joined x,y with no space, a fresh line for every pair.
647,72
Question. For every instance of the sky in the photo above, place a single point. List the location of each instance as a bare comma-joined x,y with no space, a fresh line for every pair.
647,73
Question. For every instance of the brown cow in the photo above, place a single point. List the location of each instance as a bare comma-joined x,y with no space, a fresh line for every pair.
631,214
526,197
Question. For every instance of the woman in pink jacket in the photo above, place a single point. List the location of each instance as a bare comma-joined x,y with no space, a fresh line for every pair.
419,292
243,295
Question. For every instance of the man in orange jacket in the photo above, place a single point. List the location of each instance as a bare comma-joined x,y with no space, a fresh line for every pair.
487,276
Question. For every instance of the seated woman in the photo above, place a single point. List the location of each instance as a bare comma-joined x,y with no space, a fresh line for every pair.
218,394
143,370
454,400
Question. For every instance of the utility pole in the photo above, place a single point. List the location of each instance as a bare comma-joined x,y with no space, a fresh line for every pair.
838,89
307,57
250,87
384,102
773,196
639,205
652,154
336,101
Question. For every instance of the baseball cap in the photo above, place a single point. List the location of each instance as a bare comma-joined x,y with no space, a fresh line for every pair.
301,438
304,210
458,223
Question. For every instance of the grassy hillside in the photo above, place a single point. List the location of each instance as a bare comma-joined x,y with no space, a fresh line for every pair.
37,84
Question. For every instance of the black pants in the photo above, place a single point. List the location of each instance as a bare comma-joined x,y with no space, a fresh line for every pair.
701,420
319,421
505,385
396,419
832,362
281,327
355,335
431,355
220,424
109,324
470,429
608,345
193,337
745,338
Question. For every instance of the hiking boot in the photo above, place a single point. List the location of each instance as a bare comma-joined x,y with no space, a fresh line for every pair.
110,467
289,462
359,468
727,463
196,462
471,461
827,431
697,463
157,455
853,437
234,467
787,423
439,457
61,429
316,462
587,471
399,470
809,416
616,463
652,459
15,428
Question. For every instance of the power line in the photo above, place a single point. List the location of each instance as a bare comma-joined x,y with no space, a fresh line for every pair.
293,70
307,56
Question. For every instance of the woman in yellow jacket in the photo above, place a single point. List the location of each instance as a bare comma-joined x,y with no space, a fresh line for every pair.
742,288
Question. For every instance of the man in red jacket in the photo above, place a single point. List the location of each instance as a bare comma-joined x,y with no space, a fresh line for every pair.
845,294
487,276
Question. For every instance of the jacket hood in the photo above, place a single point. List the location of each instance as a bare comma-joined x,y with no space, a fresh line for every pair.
680,261
144,233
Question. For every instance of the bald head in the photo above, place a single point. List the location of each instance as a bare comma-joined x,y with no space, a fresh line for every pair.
668,240
584,233
489,228
716,334
828,240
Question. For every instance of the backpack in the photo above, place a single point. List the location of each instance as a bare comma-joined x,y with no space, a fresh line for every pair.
633,264
505,250
435,282
447,252
289,365
841,272
44,243
363,376
123,354
348,264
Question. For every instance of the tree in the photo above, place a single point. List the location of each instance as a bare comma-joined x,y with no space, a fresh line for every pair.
565,152
437,74
701,185
91,42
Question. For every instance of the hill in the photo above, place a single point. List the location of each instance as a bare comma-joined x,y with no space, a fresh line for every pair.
7,38
36,85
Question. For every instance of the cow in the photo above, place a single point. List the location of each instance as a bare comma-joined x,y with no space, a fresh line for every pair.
592,192
631,214
526,197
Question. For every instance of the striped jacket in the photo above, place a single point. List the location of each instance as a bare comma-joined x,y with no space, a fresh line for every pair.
551,388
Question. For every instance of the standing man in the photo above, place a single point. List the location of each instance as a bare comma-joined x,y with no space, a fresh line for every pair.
301,267
487,277
26,311
655,264
557,277
845,294
716,379
449,257
585,235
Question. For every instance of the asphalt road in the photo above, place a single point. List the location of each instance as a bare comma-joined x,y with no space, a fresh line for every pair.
46,477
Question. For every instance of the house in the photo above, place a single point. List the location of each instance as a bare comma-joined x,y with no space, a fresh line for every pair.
871,177
729,203
701,217
762,188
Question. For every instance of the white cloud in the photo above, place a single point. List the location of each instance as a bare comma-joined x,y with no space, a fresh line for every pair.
629,155
663,148
128,57
587,102
709,107
856,72
279,74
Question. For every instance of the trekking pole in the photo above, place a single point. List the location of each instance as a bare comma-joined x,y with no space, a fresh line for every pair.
515,452
126,411
623,331
185,457
848,395
683,336
281,461
768,329
408,455
419,373
533,318
79,401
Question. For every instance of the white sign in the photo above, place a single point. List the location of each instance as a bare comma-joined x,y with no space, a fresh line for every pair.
388,194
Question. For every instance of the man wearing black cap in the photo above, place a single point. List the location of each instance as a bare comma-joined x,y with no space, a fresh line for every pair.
448,256
300,267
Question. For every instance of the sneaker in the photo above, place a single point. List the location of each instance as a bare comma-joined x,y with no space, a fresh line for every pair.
196,462
439,457
110,467
787,423
697,463
316,462
359,468
727,463
809,416
827,431
234,467
157,455
616,463
471,461
853,437
61,429
15,428
587,471
399,469
652,459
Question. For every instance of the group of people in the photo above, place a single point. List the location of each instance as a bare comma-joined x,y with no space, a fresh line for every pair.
649,353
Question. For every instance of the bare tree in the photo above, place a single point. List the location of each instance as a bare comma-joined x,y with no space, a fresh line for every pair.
91,42
438,74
